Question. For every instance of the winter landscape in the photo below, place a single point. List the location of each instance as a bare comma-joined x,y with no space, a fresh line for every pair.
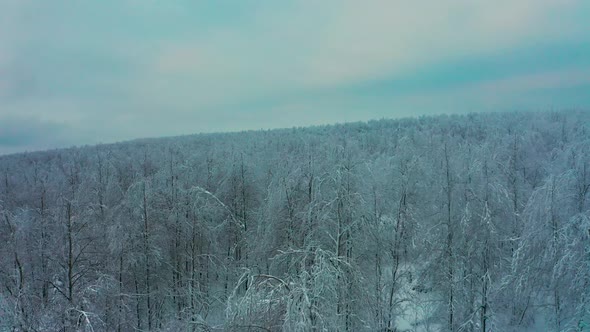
294,165
478,222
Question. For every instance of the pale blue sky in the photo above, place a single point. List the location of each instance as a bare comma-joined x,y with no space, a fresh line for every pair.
76,72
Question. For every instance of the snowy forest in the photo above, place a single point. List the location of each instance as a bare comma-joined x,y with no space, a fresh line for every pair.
477,222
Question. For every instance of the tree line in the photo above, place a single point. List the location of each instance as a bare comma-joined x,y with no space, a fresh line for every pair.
477,222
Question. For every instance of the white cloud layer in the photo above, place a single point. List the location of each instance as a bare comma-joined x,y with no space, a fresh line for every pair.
128,68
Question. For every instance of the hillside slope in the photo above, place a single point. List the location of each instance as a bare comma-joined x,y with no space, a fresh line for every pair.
451,223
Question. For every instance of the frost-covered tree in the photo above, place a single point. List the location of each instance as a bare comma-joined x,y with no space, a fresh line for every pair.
450,223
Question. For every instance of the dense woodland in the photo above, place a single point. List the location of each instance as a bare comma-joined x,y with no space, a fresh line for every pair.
466,223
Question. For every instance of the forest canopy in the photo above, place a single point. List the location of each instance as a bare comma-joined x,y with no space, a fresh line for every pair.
476,222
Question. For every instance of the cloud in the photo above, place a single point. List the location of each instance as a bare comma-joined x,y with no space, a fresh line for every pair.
329,44
560,79
375,39
540,90
119,69
23,133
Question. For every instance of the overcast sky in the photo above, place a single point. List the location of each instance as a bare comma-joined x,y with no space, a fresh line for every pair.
76,72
